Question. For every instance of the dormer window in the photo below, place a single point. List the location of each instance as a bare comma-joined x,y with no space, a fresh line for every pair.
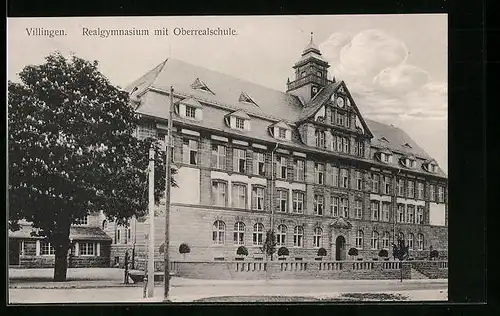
281,131
238,120
408,162
82,221
385,156
430,166
200,85
189,108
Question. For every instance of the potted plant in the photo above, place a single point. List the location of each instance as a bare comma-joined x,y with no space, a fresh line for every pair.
184,249
353,252
282,253
384,254
241,252
321,253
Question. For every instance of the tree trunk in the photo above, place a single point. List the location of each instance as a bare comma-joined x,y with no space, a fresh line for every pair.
401,269
61,247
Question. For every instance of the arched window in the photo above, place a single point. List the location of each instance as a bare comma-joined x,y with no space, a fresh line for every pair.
374,241
258,234
359,239
386,240
420,241
318,233
298,236
219,232
239,233
104,224
320,138
410,241
281,236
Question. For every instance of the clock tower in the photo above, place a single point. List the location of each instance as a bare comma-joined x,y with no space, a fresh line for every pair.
311,73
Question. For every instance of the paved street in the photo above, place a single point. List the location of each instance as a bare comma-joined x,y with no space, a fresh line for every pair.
195,289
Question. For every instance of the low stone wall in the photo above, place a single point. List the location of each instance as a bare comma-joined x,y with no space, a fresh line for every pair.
432,269
252,270
73,262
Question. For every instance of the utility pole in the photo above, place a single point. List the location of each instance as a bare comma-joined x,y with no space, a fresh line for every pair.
151,239
166,262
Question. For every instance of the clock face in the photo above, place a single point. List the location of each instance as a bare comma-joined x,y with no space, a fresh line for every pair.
340,102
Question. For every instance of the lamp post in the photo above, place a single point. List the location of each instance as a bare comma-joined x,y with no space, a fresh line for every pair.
151,239
166,263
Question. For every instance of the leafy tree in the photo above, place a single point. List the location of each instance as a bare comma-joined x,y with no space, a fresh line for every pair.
269,246
353,252
321,252
434,254
72,151
400,252
184,249
242,251
283,251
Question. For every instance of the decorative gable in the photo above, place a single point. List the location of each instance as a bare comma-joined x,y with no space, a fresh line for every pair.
200,85
238,120
246,98
281,130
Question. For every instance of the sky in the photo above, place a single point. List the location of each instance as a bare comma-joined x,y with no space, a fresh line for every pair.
394,65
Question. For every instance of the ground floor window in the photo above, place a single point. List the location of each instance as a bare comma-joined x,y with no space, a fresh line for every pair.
46,249
87,249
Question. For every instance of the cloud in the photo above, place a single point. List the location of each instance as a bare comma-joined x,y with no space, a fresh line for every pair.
374,66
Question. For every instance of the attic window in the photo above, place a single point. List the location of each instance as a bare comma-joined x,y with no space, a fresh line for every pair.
385,156
430,167
200,85
384,139
245,98
407,145
408,162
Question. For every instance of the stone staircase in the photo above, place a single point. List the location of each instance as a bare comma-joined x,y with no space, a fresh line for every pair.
415,274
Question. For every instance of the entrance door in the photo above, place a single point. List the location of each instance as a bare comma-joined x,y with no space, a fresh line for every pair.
340,248
14,252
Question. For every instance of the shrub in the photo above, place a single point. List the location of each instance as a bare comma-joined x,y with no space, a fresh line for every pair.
353,252
383,253
434,254
283,251
184,249
242,251
321,252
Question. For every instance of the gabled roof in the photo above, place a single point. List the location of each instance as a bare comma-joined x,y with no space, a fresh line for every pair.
246,98
323,96
198,84
191,102
75,233
272,103
240,114
281,124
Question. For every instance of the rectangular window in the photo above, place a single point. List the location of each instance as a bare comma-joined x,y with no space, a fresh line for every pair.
239,160
298,169
344,183
190,152
319,202
420,215
339,143
432,192
219,156
219,193
411,189
283,201
281,132
239,196
385,211
319,172
401,213
190,111
387,185
410,214
335,206
375,211
87,249
360,148
259,164
440,194
358,209
258,198
420,190
375,183
240,123
83,221
298,202
340,119
346,143
344,206
359,180
335,176
281,167
401,187
46,249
